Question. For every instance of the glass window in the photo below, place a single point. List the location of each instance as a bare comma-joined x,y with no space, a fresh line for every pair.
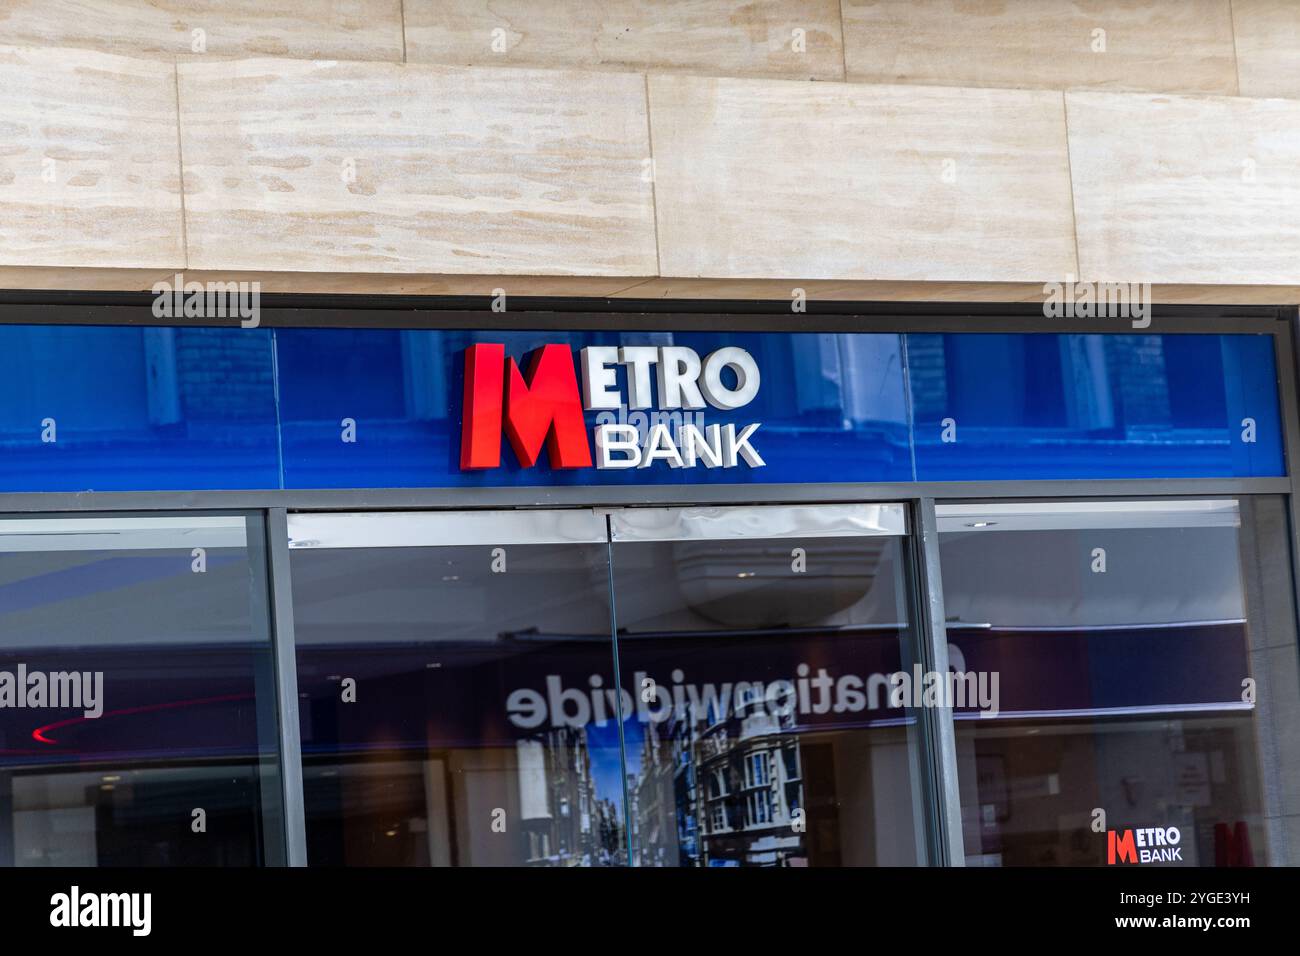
137,701
759,808
458,706
788,622
756,769
1147,693
718,779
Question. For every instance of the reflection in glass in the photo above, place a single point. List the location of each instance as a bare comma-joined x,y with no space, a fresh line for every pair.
1041,405
109,408
168,758
763,733
1147,659
481,730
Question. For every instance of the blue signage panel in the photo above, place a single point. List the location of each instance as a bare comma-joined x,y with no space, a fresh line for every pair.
109,409
1093,406
129,409
828,408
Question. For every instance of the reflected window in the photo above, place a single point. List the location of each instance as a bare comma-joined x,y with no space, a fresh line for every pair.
756,769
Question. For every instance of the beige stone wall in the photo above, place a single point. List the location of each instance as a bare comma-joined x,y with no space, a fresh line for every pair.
918,148
1228,47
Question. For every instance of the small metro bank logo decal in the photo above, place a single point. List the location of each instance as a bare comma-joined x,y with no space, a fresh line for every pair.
1144,845
545,407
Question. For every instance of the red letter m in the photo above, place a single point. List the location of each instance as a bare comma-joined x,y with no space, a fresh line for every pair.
1122,845
544,408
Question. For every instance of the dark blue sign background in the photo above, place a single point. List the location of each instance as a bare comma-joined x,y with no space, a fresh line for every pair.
228,408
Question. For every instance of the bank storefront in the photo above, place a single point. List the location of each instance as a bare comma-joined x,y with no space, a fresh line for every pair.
399,582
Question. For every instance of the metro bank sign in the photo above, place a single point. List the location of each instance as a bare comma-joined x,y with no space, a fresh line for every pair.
546,407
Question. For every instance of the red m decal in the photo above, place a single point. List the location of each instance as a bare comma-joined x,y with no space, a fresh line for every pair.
1232,847
1121,847
543,408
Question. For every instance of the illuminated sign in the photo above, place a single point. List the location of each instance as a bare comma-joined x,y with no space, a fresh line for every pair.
546,406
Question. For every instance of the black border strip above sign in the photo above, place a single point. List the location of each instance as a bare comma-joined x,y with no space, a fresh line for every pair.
287,310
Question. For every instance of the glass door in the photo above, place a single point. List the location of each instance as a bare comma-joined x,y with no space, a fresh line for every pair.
456,689
761,646
459,704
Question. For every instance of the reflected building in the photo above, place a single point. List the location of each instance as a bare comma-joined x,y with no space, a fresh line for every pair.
724,790
562,819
